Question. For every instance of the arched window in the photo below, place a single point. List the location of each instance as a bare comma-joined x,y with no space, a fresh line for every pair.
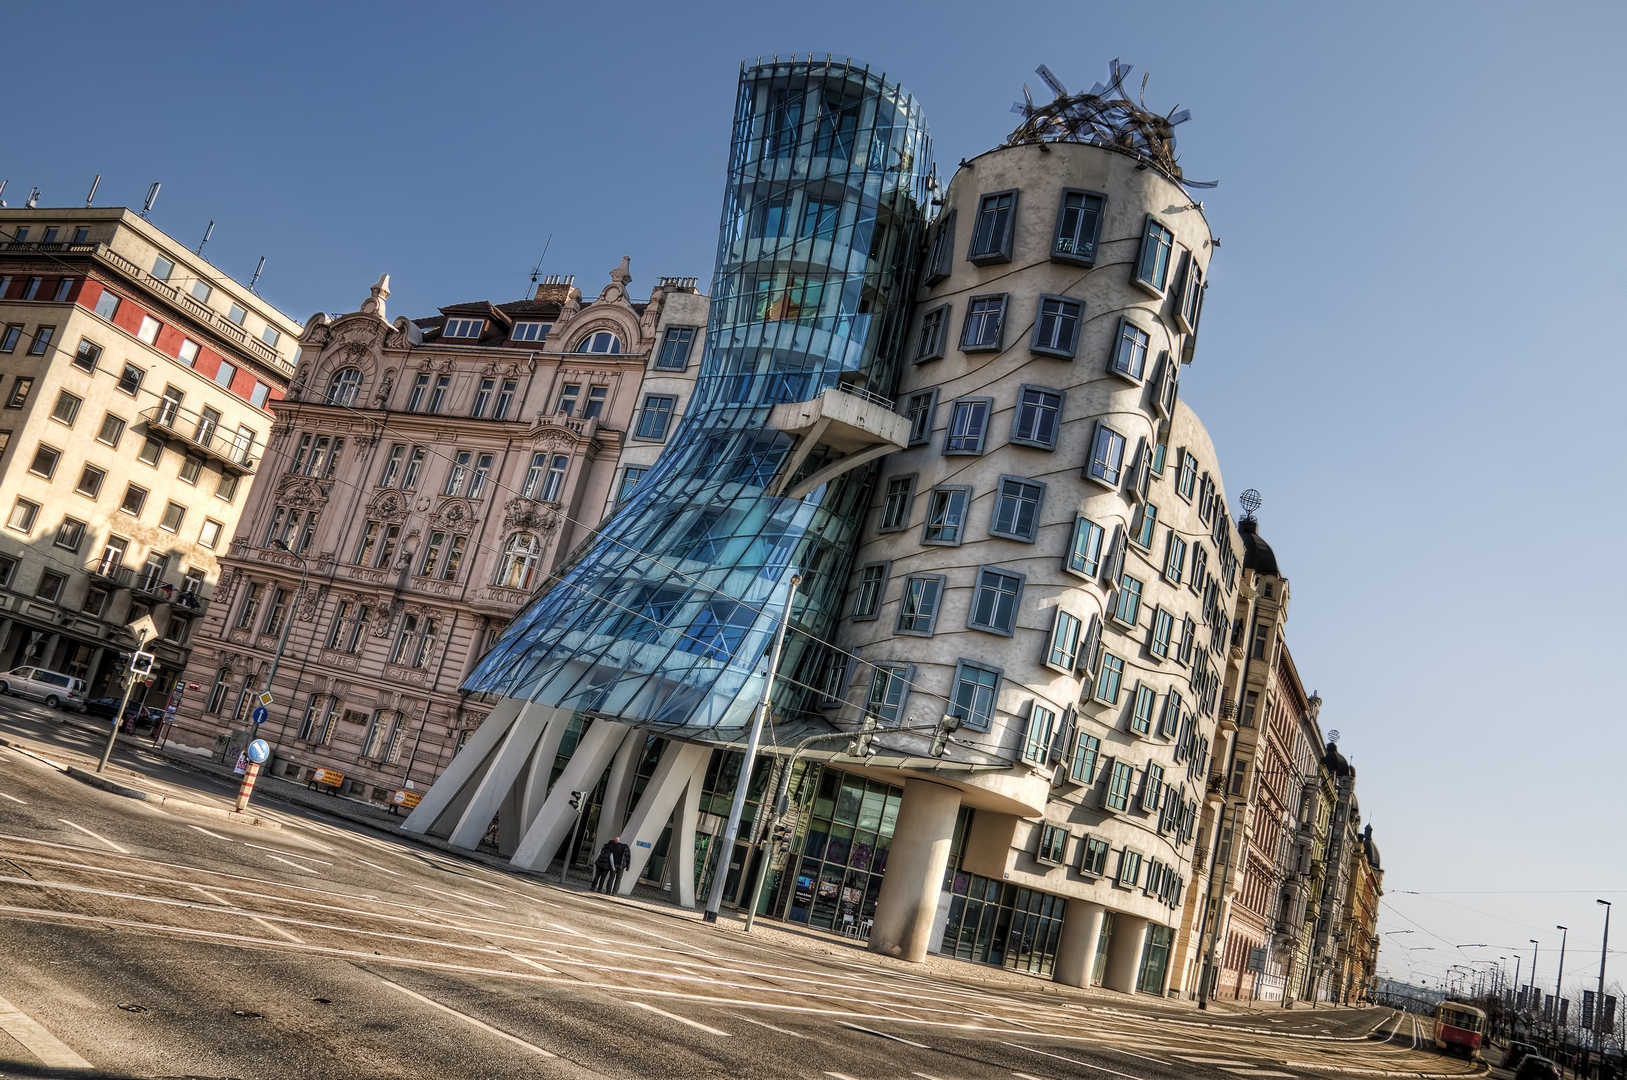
520,558
602,341
344,386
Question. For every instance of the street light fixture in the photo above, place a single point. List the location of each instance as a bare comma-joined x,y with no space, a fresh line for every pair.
1559,983
1598,1006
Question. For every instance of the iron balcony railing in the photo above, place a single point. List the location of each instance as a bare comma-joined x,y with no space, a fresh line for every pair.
236,451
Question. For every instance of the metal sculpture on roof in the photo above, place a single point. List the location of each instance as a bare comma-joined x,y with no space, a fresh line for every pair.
1104,115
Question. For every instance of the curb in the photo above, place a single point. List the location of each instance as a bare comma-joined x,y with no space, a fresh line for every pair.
1351,1070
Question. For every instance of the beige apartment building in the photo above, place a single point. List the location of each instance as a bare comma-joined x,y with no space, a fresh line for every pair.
134,413
424,478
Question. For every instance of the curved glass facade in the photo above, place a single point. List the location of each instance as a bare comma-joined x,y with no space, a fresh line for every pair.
663,618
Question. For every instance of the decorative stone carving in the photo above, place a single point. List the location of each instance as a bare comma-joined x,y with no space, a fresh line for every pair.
374,304
454,515
310,601
383,616
363,573
303,492
277,558
433,586
510,597
340,660
529,514
409,676
239,547
388,505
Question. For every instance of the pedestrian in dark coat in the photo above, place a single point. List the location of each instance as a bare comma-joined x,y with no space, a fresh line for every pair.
603,868
621,859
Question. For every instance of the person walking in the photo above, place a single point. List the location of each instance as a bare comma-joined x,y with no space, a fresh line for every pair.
603,867
621,857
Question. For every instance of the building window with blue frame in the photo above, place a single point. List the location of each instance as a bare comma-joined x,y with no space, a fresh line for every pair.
973,698
1109,679
1037,742
1120,782
1087,751
675,348
654,417
630,476
1063,654
1141,715
1085,556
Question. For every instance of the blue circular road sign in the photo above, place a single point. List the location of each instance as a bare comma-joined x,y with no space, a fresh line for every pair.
259,715
259,751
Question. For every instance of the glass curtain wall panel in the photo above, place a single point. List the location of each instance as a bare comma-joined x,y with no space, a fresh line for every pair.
662,617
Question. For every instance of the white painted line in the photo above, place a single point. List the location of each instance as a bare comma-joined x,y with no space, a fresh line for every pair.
839,1076
466,1018
206,832
1069,1060
217,899
275,929
463,896
87,832
51,1051
782,1031
881,1034
290,854
376,866
680,1019
928,1076
295,865
1259,1072
13,798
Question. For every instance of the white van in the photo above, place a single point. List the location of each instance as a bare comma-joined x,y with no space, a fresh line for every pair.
55,689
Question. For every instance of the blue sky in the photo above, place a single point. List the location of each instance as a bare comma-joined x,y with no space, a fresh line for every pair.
1407,346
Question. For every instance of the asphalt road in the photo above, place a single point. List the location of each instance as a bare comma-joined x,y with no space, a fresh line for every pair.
141,943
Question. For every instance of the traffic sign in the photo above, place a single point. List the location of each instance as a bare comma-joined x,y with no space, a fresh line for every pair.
266,698
259,715
259,751
194,686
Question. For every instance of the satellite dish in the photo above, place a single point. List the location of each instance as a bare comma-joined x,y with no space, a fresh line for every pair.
1250,501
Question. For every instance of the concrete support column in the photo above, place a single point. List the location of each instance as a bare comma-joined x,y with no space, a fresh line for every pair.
555,820
47,651
915,868
1124,953
618,791
1076,951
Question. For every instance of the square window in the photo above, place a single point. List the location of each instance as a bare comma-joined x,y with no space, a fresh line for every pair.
174,514
1157,252
22,234
1141,713
135,497
1016,509
994,603
64,289
258,396
51,233
271,336
1038,417
152,451
237,314
1106,456
209,535
1129,867
90,481
991,232
985,320
10,336
655,416
111,431
1078,224
1093,860
919,410
1085,554
974,694
66,408
87,354
946,516
1056,329
895,508
81,234
933,335
42,340
70,534
676,345
918,604
1120,782
45,461
50,587
630,476
32,289
889,686
22,516
1127,605
225,374
130,379
188,353
107,305
1163,628
1064,651
149,329
1109,679
1130,352
1053,842
202,290
872,585
968,422
163,268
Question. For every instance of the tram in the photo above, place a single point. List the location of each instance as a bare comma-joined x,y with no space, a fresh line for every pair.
1459,1029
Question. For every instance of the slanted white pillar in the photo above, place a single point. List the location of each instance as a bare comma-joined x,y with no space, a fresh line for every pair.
535,781
1076,951
681,863
555,820
908,903
492,788
446,799
618,790
682,768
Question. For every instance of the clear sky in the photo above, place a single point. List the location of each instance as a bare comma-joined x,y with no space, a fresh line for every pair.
1407,346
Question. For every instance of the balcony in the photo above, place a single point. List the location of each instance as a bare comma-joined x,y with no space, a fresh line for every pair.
848,422
195,432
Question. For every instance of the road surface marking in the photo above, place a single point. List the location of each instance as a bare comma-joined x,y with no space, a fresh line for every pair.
290,854
206,832
465,1017
522,958
13,798
1069,1060
51,1051
680,1019
771,1027
882,1034
929,1076
839,1076
87,832
295,865
1258,1072
376,866
223,902
460,896
275,929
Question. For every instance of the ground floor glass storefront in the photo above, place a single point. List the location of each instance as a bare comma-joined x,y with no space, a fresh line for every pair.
994,922
843,835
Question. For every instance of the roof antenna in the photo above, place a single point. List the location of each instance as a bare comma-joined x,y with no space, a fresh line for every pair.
207,233
256,276
152,197
94,184
537,269
33,199
3,184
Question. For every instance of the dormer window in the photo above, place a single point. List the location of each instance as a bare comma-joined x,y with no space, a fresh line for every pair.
532,331
601,342
463,328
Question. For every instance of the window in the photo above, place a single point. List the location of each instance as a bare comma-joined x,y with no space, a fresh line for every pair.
1262,634
1157,248
201,290
226,488
454,558
1189,640
1093,860
189,352
224,374
135,497
567,399
174,513
420,389
889,686
209,535
1064,641
392,465
596,400
895,508
1191,295
601,342
70,534
1129,867
95,602
87,355
973,697
1145,527
64,289
1188,479
277,614
985,318
191,468
630,476
149,329
481,476
152,451
437,396
81,234
8,340
162,268
994,603
553,483
111,431
45,461
1109,679
1169,724
455,475
1085,555
19,392
1174,558
66,408
32,289
318,456
1037,418
50,234
1127,605
483,397
919,410
872,584
252,599
941,250
1251,705
1130,352
1106,456
415,465
22,516
50,586
349,627
505,399
237,314
654,417
1120,781
42,340
1141,713
1016,509
1053,845
1078,224
532,331
1056,329
933,335
271,335
946,516
463,328
344,386
968,422
520,559
918,604
1163,626
107,305
819,218
991,232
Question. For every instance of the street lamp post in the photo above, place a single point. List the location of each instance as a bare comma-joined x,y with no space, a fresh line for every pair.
1536,946
1598,1006
1559,983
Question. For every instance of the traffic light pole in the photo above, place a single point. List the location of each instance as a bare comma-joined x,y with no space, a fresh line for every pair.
118,718
577,798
